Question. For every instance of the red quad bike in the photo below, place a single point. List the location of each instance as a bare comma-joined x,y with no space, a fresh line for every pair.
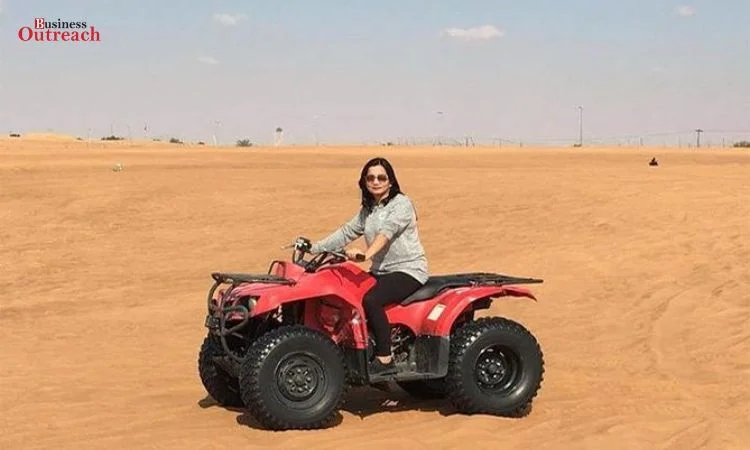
287,344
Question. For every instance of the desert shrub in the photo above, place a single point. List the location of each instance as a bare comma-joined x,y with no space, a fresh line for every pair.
244,143
15,135
201,143
742,144
174,141
113,138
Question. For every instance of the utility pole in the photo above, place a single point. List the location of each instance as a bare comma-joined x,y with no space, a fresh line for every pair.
217,124
580,126
698,132
438,139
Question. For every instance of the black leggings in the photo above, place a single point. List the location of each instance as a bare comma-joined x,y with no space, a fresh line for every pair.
389,288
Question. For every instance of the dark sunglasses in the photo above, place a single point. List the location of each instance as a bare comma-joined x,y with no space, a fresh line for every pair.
381,178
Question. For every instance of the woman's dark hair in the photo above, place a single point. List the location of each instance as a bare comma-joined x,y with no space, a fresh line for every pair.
368,201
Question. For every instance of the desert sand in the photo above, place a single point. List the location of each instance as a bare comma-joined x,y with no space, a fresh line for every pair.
643,317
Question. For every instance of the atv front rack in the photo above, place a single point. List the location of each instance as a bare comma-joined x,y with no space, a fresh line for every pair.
238,278
235,279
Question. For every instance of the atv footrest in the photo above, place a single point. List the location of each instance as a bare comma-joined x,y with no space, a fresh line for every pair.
403,376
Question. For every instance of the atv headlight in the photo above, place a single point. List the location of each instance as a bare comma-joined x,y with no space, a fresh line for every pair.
248,301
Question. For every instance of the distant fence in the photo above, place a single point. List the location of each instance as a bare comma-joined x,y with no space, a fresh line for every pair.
677,139
684,139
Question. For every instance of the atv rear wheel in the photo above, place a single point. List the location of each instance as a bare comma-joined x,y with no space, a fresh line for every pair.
293,378
425,389
224,388
496,367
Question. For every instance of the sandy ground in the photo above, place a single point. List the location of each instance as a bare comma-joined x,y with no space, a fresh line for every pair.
643,317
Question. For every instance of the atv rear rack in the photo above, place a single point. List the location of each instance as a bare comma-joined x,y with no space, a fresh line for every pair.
437,283
488,278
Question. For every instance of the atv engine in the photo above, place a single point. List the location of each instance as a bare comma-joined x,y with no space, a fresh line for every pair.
402,342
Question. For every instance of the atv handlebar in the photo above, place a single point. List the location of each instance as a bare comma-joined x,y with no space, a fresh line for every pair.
303,245
341,255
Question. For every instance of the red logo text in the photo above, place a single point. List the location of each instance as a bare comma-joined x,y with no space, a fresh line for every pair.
58,30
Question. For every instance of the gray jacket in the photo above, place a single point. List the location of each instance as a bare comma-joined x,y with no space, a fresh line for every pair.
397,221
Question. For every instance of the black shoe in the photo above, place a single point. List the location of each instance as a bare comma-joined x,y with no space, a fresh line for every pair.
377,368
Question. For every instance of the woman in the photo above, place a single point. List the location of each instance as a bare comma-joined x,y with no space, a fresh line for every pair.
389,223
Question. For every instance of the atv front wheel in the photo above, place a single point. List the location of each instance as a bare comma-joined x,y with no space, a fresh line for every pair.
224,388
293,378
495,367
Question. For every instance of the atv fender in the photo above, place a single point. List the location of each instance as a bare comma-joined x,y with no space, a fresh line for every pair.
443,314
326,284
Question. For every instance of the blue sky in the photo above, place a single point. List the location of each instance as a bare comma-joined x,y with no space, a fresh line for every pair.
355,71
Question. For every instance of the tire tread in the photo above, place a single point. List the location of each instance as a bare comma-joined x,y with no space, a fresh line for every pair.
215,379
251,388
462,340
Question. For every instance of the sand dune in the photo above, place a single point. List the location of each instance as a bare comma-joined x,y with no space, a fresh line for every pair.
643,317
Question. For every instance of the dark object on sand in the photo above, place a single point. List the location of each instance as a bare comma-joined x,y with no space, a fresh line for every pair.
653,162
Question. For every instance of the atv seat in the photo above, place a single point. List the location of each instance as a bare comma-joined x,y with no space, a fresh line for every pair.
436,284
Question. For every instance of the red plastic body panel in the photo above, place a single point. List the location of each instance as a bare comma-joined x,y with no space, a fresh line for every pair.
333,292
446,307
333,301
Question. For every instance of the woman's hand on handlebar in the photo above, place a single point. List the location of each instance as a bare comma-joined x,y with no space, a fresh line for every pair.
355,254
